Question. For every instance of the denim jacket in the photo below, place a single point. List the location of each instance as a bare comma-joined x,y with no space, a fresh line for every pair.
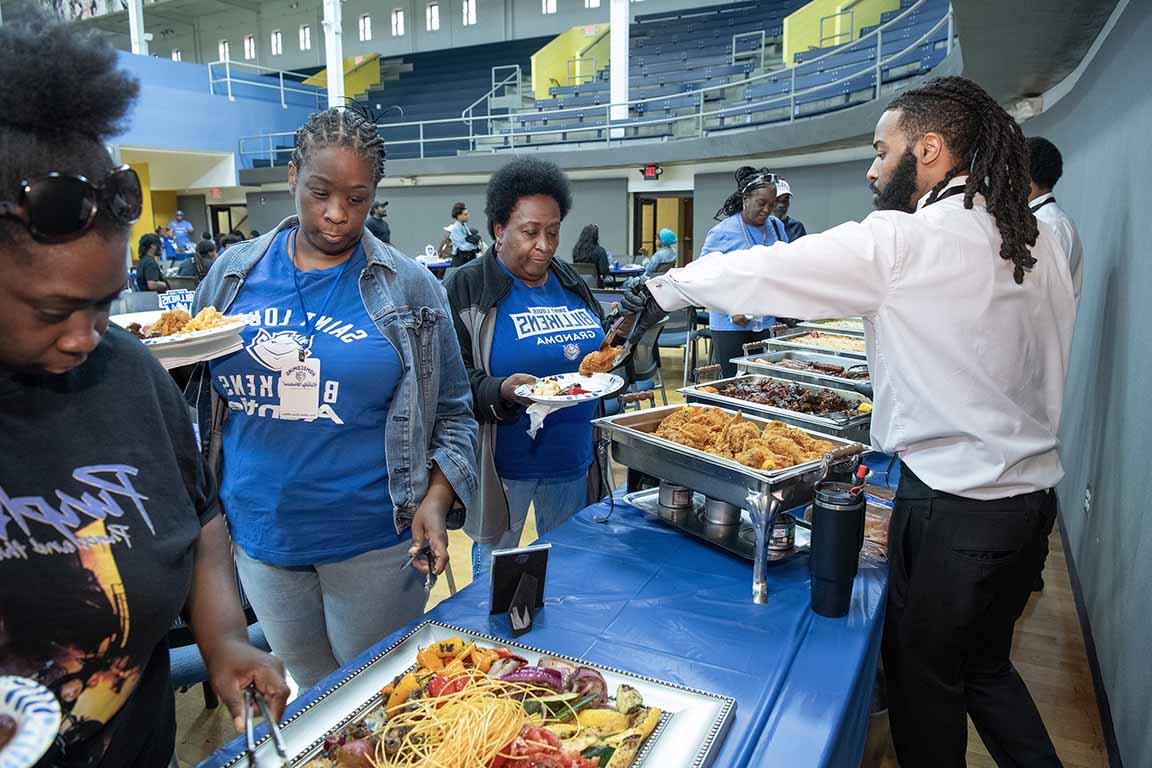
430,418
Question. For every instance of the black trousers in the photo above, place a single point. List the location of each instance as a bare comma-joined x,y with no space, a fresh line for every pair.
960,574
460,258
729,344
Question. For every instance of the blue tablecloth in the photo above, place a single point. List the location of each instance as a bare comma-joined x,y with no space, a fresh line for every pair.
638,595
627,269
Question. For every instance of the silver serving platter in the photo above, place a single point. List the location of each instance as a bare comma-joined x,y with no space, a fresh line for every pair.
767,364
694,724
824,326
794,341
853,427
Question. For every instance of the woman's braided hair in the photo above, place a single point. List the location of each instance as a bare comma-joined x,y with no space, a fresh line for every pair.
748,180
988,146
341,127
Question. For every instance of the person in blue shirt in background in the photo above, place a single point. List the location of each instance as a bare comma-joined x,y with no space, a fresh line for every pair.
349,433
745,220
181,230
520,314
665,258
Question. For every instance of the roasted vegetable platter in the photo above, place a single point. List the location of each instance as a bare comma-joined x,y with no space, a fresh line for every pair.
446,696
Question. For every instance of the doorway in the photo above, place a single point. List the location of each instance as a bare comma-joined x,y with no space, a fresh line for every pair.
654,211
229,218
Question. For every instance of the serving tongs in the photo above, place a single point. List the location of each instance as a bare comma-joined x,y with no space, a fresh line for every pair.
252,696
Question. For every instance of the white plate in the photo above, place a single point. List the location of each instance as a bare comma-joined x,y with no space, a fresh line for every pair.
598,385
37,715
148,318
694,724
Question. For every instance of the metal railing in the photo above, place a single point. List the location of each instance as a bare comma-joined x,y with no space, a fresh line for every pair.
263,79
757,52
834,38
598,119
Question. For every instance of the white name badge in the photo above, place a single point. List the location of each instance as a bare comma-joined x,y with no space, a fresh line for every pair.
300,390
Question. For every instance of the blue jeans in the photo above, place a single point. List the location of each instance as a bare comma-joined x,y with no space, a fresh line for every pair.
555,501
318,618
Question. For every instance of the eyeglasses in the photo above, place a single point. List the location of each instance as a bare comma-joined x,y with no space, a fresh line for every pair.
59,207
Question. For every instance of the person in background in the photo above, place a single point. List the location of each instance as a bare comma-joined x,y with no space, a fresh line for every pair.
111,528
205,235
200,263
665,258
792,227
167,246
228,241
331,486
1046,166
465,245
149,276
181,232
746,220
589,251
378,222
521,313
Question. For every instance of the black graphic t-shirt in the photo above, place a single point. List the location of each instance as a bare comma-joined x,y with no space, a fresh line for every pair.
102,498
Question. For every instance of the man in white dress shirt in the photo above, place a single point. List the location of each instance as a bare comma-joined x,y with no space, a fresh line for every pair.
1046,166
968,311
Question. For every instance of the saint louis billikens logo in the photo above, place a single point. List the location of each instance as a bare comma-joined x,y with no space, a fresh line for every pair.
571,351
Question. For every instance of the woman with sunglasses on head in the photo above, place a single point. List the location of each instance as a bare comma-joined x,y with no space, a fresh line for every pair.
109,527
346,425
745,220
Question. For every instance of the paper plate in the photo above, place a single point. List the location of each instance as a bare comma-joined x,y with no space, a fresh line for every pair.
598,385
37,715
148,318
182,349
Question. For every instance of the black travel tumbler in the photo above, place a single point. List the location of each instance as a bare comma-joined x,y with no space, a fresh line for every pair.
837,536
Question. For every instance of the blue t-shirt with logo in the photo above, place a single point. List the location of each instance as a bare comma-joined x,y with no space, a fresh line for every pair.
305,492
544,331
181,232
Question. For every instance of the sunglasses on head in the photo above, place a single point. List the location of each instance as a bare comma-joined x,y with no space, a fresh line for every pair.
59,207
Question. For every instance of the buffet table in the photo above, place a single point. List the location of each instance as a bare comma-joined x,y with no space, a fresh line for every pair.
635,594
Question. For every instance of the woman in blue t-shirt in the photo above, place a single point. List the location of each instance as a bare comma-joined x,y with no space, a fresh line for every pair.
349,417
745,220
520,314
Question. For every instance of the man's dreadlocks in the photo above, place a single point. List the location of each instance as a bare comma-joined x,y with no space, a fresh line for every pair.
988,146
341,127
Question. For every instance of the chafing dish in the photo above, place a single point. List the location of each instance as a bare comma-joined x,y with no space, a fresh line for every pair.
763,493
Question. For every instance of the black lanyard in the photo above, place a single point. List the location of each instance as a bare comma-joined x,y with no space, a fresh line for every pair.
950,192
1046,202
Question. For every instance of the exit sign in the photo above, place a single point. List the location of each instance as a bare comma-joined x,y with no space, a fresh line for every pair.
651,172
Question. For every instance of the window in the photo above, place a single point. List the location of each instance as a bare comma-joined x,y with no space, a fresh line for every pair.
305,37
591,3
432,17
397,23
547,7
224,51
177,54
249,47
277,43
469,9
365,27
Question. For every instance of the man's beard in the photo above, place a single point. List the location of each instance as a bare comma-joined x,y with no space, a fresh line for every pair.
900,191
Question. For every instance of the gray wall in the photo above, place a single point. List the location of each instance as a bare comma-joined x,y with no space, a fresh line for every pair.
823,195
497,21
1102,131
196,211
417,215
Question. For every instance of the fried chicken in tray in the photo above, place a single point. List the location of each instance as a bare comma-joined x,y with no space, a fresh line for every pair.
731,436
